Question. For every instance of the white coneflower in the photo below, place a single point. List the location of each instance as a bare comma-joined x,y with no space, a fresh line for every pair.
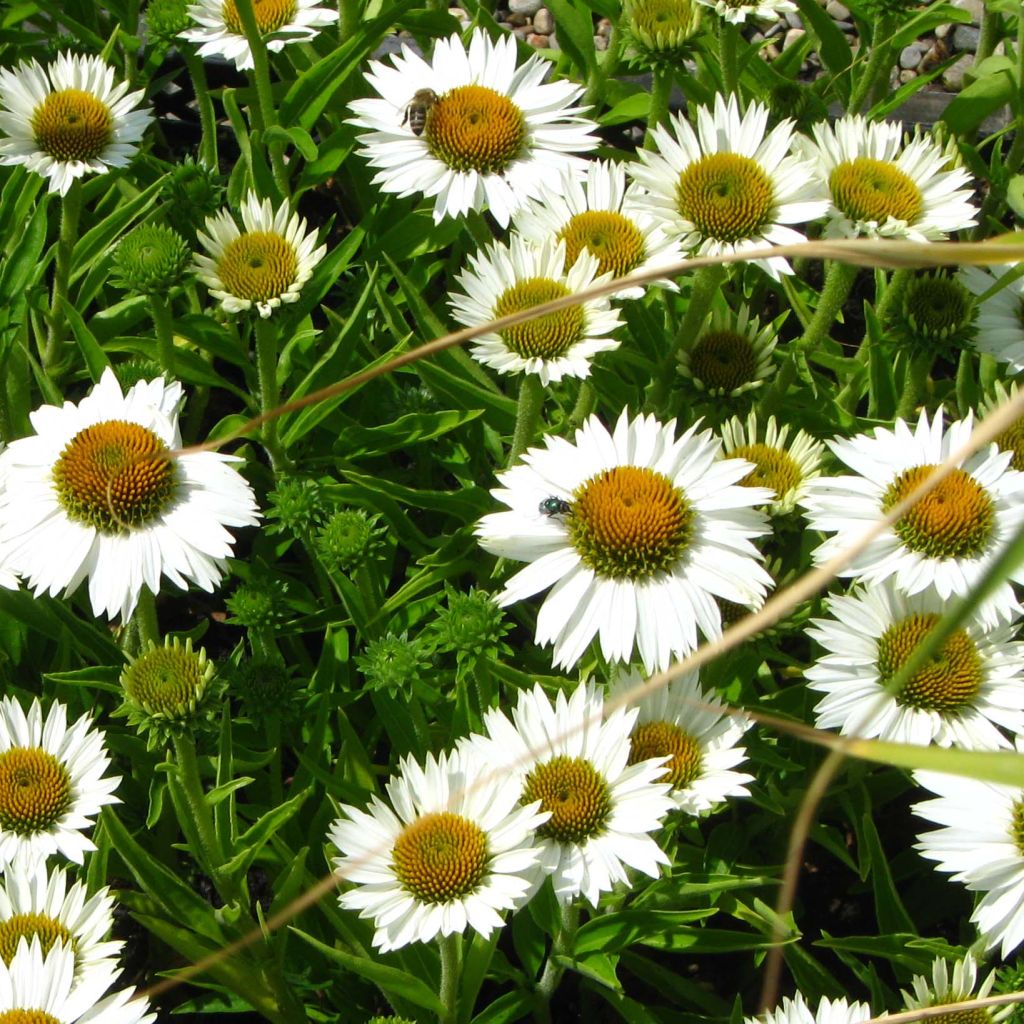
92,495
999,325
733,354
655,527
490,134
263,266
68,119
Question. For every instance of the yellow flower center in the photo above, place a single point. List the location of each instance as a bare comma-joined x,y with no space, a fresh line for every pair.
1017,825
166,681
575,793
110,476
954,520
440,857
874,190
23,1016
258,266
72,125
727,197
270,15
950,680
630,523
661,739
1012,440
35,790
611,238
664,24
977,1016
723,361
773,468
48,930
544,337
473,128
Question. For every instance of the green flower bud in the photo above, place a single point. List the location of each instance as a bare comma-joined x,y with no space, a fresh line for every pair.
170,690
264,688
192,193
151,260
297,505
135,369
347,540
472,626
258,604
659,31
936,314
165,19
394,664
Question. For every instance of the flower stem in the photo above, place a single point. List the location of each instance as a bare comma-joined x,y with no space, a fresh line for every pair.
160,309
705,285
892,294
661,91
451,971
561,945
875,75
349,14
991,28
192,787
70,211
528,410
207,119
728,37
918,369
266,370
266,113
144,618
586,399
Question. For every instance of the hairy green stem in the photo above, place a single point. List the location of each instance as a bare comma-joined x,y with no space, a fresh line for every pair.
70,212
451,971
876,74
892,295
144,619
350,12
561,946
728,39
991,30
207,119
586,400
916,381
266,370
266,112
192,786
705,285
528,410
661,91
163,323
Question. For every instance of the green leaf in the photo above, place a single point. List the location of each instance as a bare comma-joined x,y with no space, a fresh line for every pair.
1015,195
610,933
892,915
390,980
297,137
1006,768
994,88
833,48
576,33
405,432
599,967
95,358
24,267
251,842
512,1006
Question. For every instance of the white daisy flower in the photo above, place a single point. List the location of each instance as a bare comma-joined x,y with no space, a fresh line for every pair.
698,734
737,12
577,764
941,990
950,538
830,1011
51,782
733,354
1012,438
972,685
220,31
264,265
879,187
660,31
470,128
999,325
37,903
77,501
601,216
46,989
505,279
68,119
456,851
729,186
980,843
653,529
783,465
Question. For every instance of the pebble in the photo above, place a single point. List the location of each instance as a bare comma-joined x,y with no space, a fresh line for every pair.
458,12
794,35
793,20
846,27
941,31
600,42
543,22
910,56
538,41
935,53
517,20
953,76
527,7
836,11
770,52
965,38
976,8
907,75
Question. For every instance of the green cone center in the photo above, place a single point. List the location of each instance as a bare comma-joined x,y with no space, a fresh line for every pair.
726,196
951,679
954,520
71,125
936,307
474,128
723,360
630,522
544,337
35,790
166,681
440,857
575,793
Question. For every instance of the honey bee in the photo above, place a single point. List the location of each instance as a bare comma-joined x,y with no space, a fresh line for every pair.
419,106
